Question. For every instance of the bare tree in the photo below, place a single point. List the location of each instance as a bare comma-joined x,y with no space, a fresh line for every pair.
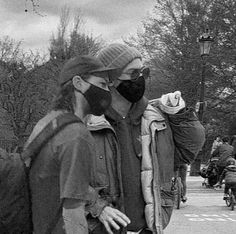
28,82
18,88
71,42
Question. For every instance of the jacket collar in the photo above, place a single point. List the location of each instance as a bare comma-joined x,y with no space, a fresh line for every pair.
139,109
134,114
153,113
95,123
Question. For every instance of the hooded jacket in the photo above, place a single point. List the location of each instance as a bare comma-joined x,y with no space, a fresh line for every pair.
164,140
229,174
223,151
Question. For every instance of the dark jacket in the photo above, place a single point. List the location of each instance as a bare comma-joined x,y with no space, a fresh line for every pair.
229,174
223,152
181,133
14,195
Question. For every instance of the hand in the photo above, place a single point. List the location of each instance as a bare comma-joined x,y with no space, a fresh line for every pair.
216,185
110,217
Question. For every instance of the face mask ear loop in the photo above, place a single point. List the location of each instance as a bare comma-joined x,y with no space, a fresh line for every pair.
77,90
85,82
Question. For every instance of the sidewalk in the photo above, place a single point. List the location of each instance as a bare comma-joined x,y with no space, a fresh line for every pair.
194,185
194,178
205,212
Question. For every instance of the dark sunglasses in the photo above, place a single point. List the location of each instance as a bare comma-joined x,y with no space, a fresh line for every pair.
136,73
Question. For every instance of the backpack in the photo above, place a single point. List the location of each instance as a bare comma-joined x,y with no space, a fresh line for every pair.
15,204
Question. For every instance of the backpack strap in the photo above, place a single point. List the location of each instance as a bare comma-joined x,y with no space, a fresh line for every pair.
51,129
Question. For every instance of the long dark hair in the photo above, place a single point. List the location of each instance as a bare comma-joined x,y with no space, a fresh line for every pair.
65,98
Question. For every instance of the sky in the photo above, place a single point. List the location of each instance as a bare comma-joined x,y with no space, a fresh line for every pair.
110,19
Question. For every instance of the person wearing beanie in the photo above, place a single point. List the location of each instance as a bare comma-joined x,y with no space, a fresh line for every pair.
137,143
118,55
229,175
60,175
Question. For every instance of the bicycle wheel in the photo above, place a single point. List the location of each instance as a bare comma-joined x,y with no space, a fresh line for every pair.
228,200
232,198
178,194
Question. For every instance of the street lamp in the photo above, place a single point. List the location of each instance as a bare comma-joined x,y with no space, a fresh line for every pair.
205,41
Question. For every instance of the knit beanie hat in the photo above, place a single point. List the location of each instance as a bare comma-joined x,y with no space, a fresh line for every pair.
118,55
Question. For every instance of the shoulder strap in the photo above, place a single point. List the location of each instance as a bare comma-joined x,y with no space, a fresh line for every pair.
51,129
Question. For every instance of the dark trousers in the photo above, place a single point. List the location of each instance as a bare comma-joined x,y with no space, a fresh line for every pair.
101,230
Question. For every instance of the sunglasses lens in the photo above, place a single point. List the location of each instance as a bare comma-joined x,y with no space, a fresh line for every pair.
146,72
137,72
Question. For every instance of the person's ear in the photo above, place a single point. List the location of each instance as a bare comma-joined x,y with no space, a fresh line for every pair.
77,82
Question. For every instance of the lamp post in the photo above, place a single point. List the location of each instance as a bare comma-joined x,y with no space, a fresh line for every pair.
205,41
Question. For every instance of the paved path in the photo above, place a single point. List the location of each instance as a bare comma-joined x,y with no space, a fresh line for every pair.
205,212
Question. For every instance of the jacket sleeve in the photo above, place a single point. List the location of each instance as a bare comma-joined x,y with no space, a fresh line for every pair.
188,135
96,204
222,176
215,152
74,217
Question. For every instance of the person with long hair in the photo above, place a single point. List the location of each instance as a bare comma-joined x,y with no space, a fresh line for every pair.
60,175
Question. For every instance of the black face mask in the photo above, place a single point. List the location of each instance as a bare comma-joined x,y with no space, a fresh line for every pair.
98,99
133,91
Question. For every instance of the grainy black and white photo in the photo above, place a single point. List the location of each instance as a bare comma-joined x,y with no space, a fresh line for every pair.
117,116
